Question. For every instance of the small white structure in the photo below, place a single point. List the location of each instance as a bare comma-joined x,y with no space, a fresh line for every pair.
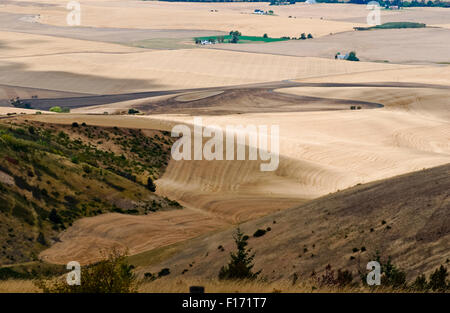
340,56
310,1
258,11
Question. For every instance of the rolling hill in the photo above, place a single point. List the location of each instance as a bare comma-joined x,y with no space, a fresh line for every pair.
405,217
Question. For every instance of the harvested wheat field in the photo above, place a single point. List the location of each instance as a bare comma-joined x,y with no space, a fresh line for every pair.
410,133
164,70
92,236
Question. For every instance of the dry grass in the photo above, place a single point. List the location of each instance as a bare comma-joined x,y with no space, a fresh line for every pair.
17,286
182,285
212,286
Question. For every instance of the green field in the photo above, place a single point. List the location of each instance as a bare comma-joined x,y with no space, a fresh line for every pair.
243,39
394,25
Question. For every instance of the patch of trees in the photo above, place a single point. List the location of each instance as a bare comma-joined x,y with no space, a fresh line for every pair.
235,34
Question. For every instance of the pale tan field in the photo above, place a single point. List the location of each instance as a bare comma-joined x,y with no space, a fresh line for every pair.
397,46
319,19
438,75
8,110
164,70
163,15
29,45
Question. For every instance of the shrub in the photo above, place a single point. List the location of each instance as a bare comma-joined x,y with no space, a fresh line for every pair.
133,111
390,274
344,278
150,276
420,284
265,36
241,263
111,275
56,109
259,233
151,185
352,56
310,36
87,169
164,272
54,217
438,280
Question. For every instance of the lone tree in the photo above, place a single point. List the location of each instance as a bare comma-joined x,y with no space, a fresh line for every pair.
151,185
352,56
241,263
235,34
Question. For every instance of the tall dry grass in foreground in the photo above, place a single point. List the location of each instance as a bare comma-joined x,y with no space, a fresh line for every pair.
249,286
213,286
17,286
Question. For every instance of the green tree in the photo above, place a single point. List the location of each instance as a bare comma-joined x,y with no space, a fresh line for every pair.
234,39
352,56
303,36
151,185
420,284
438,279
54,217
391,275
235,34
241,263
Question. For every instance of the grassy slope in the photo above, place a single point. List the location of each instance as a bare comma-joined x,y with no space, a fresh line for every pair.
405,217
77,171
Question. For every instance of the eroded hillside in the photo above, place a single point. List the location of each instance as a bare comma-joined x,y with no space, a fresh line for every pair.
52,175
